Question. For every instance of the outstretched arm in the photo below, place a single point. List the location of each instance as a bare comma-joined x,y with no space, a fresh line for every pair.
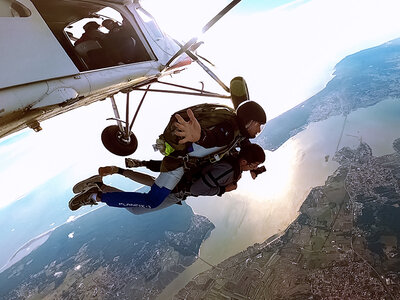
189,131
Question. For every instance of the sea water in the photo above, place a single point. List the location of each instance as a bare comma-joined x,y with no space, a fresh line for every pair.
263,207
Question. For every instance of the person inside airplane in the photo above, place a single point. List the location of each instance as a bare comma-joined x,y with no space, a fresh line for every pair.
119,35
91,45
92,33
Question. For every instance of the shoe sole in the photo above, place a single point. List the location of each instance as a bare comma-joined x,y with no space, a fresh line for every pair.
77,198
84,184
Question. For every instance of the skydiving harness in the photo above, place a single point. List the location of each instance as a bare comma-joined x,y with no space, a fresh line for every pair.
208,115
215,180
190,162
194,173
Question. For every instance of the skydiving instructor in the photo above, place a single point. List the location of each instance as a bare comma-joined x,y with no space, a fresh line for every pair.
246,123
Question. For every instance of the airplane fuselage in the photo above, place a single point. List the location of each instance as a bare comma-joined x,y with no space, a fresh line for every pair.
47,70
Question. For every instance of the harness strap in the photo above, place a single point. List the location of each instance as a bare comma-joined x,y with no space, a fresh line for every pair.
189,161
203,177
218,156
215,181
224,174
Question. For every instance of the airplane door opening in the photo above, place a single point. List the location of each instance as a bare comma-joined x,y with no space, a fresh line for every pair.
94,35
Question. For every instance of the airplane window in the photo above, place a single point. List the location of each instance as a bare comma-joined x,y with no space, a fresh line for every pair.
93,35
150,24
106,39
13,9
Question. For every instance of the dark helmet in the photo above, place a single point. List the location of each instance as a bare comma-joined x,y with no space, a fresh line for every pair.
250,111
91,25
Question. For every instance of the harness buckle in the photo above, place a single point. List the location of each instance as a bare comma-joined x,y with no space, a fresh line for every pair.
215,158
187,162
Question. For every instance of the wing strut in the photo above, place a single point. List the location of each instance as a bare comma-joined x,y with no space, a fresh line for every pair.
208,71
185,48
196,92
220,15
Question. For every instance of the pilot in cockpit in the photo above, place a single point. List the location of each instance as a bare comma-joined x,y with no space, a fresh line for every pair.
119,42
92,33
111,25
90,46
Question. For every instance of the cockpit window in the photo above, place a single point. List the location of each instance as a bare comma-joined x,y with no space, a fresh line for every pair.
150,24
13,9
106,39
93,35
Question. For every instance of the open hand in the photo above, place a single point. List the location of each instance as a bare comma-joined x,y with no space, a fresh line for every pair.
189,131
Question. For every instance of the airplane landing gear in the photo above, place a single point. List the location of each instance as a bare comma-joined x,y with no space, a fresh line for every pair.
119,139
114,140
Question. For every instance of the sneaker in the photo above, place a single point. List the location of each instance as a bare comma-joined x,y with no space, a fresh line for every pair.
84,184
84,198
133,163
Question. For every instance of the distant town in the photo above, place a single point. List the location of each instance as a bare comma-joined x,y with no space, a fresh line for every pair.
343,245
121,261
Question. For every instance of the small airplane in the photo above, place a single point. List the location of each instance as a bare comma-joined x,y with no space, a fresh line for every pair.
56,56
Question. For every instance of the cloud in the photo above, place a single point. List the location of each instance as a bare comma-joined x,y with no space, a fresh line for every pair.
71,219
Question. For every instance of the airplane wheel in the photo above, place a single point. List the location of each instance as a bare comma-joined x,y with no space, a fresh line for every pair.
112,139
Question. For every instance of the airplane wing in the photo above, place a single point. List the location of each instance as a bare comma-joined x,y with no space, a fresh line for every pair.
56,62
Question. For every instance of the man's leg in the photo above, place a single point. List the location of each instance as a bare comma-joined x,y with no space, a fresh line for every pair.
152,165
162,187
135,176
171,174
169,201
141,178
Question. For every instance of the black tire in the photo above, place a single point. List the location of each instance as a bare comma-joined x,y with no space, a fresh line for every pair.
112,140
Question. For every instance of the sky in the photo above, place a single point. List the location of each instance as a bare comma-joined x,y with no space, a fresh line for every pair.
286,51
